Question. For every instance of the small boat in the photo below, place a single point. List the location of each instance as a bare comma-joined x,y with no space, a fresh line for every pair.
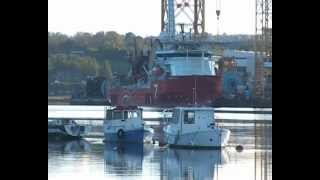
65,129
194,127
124,124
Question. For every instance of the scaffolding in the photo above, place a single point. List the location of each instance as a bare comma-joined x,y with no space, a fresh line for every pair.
172,12
263,43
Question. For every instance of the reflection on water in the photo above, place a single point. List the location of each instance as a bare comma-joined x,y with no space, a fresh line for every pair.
69,146
192,164
92,159
127,160
123,159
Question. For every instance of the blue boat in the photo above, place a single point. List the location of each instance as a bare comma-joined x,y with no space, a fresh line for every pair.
124,124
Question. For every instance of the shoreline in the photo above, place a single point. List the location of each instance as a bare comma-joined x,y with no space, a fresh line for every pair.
67,100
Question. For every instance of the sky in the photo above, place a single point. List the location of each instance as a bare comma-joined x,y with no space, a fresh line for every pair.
142,17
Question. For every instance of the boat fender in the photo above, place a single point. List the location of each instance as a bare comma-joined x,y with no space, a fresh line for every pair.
120,133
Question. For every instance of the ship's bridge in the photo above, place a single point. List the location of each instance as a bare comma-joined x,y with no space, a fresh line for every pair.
187,63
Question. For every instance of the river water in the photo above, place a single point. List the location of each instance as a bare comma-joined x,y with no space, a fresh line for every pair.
93,160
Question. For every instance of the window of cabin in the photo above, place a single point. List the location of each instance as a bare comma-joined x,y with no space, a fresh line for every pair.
189,117
126,114
131,114
134,114
117,115
109,114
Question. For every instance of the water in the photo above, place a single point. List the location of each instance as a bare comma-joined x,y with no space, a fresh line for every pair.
92,159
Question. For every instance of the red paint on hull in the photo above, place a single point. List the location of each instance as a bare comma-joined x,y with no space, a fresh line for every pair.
174,91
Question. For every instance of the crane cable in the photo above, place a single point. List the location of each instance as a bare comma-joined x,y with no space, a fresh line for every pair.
218,11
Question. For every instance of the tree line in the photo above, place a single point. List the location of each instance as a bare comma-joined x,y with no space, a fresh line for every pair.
88,53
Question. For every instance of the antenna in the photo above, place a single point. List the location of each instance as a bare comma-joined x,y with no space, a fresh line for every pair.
218,12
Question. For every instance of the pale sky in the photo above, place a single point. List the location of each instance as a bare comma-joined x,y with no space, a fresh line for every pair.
142,17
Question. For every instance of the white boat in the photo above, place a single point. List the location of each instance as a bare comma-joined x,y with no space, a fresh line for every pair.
66,129
124,124
195,127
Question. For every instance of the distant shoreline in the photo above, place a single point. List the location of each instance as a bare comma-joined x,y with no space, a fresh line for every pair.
66,100
59,100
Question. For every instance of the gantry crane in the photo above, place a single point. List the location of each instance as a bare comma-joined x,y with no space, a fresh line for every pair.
173,11
263,43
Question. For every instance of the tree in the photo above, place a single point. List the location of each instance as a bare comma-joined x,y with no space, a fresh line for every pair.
105,70
113,40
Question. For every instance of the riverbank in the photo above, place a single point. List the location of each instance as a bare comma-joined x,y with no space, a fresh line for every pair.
253,103
59,100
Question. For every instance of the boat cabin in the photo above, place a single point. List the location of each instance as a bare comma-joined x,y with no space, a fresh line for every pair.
186,63
124,124
190,119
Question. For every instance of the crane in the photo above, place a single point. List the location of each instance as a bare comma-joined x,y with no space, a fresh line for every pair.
173,11
263,43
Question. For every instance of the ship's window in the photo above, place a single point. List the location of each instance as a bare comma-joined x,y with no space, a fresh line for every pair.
179,67
189,117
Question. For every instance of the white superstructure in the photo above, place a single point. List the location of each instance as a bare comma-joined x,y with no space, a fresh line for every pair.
195,127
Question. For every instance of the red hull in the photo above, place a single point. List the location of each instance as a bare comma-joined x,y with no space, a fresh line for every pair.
174,91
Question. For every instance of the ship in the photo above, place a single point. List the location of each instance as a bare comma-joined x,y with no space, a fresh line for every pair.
184,72
179,68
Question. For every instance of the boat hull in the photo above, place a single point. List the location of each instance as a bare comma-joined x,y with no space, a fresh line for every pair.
216,138
129,136
68,132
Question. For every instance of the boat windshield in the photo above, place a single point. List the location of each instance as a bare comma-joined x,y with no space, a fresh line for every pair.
115,115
